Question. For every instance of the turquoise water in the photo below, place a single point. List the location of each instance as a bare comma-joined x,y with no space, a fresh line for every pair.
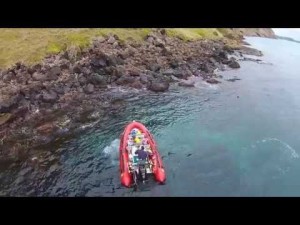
231,139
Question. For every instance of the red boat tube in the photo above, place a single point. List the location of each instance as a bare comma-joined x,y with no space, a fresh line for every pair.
157,164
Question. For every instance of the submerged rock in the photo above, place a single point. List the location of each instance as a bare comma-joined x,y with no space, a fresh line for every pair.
233,79
212,81
158,86
250,51
188,83
233,64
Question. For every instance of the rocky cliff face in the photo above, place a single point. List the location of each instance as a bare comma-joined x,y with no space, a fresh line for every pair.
258,32
51,99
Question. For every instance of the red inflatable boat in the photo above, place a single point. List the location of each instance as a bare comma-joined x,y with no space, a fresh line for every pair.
127,158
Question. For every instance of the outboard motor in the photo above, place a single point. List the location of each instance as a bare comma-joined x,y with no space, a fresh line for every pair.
142,170
140,173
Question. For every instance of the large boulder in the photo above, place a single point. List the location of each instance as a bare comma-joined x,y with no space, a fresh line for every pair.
73,53
187,83
166,51
97,41
112,60
159,43
217,64
220,56
99,61
168,72
197,74
39,77
86,71
52,74
54,71
144,79
118,71
36,68
250,51
159,86
111,79
30,70
29,89
134,72
77,69
46,129
163,31
150,39
82,79
124,54
49,96
212,81
19,66
179,74
205,68
136,84
111,40
174,64
8,77
7,102
59,88
125,80
5,117
98,79
23,78
89,89
64,64
223,55
233,64
153,67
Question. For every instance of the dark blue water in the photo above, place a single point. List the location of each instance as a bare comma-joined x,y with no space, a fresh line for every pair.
230,139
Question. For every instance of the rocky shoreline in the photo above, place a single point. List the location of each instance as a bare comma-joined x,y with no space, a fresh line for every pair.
45,102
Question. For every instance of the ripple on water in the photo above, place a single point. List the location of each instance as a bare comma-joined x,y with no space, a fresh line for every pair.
266,166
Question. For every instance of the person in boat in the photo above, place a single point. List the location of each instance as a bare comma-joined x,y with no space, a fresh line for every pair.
142,153
142,156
